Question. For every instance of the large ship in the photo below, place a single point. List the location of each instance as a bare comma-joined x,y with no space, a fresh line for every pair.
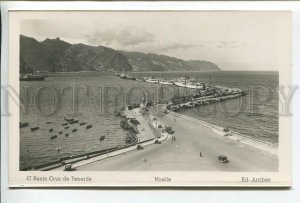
152,80
41,73
190,85
31,77
166,82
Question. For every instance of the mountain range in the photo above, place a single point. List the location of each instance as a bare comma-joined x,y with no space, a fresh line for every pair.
56,55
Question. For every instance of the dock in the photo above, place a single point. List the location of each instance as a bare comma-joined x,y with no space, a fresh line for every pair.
196,148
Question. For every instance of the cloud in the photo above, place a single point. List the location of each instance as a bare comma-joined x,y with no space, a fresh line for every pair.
128,36
175,46
135,39
227,44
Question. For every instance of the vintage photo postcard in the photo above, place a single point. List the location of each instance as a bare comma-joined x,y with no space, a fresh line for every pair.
149,98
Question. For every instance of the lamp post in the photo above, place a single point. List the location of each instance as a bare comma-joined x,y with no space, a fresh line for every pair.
107,144
58,149
27,159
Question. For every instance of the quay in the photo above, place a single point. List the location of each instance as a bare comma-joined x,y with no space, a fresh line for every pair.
196,148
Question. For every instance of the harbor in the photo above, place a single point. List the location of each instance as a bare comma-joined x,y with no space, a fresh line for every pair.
150,99
191,145
136,134
197,147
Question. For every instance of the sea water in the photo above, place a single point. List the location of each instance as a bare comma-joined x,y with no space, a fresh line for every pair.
100,94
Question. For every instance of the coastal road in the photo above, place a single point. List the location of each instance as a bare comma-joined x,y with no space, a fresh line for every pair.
184,153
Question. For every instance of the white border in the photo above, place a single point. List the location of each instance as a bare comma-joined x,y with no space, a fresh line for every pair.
211,196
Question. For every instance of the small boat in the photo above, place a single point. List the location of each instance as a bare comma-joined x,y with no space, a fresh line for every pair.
102,138
23,125
50,130
64,124
254,114
48,122
67,127
34,129
117,113
82,123
226,130
140,80
68,119
60,132
74,130
89,126
53,137
73,121
67,135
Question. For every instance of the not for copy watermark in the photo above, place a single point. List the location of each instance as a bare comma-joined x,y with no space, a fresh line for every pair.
50,100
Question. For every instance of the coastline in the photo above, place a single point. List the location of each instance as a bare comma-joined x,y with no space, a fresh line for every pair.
242,138
255,143
192,137
241,147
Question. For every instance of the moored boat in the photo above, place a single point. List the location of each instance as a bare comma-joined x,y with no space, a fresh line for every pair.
23,125
68,119
53,137
41,73
34,129
152,80
164,82
73,121
30,77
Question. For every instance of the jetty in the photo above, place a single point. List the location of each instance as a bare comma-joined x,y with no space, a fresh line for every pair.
196,148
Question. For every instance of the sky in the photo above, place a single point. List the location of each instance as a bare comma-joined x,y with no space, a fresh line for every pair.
232,40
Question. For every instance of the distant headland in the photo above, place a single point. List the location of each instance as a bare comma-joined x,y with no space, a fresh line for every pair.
56,55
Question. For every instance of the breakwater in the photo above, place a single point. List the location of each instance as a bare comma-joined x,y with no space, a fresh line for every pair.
202,101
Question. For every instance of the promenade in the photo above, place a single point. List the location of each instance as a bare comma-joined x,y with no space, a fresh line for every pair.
184,153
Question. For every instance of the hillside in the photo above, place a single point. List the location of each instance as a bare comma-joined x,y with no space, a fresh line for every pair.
83,57
56,55
155,62
36,56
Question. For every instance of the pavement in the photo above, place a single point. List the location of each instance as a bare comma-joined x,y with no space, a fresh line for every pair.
196,148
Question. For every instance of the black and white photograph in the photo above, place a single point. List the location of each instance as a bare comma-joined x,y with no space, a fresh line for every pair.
151,94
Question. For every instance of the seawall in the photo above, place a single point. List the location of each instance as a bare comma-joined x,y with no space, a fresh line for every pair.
253,142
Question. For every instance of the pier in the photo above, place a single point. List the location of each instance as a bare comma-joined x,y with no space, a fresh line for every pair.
196,148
